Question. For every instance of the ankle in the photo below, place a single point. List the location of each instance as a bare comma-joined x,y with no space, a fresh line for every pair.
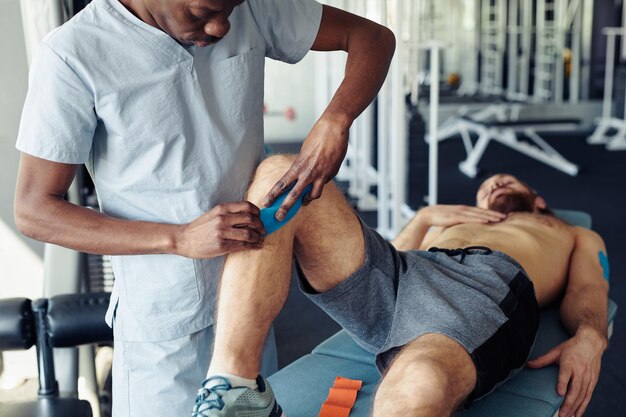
240,365
235,380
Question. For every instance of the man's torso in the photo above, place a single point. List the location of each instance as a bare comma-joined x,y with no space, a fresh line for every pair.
541,244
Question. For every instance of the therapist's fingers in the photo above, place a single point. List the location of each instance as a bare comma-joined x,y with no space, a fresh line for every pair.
242,235
242,214
291,199
220,231
316,192
281,185
241,207
246,220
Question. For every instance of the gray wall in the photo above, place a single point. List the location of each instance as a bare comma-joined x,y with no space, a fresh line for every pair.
13,84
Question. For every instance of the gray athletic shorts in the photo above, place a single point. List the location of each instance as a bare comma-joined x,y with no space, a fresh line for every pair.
480,298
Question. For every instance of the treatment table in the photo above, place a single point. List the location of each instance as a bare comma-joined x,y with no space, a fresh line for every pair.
302,387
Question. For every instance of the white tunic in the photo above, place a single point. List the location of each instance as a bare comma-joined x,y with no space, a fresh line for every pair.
166,132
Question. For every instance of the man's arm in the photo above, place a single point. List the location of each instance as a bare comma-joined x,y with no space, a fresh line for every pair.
418,233
370,48
584,314
42,213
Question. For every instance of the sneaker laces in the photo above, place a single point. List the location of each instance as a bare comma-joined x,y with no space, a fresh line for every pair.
210,397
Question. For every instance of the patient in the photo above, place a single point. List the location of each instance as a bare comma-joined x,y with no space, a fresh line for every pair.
450,310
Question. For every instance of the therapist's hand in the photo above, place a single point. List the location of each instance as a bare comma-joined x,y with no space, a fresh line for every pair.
223,229
318,162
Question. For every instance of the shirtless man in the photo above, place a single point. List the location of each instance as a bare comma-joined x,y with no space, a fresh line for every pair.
446,324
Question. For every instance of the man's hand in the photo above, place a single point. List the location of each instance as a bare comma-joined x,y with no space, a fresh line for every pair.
579,361
223,229
413,236
318,162
448,215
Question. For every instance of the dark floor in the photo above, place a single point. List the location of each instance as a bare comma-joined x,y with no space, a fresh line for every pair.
599,189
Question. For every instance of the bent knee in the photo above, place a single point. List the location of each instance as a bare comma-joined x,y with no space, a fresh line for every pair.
269,171
423,380
274,166
424,385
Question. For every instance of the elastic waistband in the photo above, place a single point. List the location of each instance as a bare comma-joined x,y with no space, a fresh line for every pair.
477,250
470,250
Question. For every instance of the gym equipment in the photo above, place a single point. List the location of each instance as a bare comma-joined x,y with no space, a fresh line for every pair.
506,53
289,113
506,132
417,181
611,131
492,46
59,322
519,48
301,387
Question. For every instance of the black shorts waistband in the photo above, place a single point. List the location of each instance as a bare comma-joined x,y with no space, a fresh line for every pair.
470,250
477,250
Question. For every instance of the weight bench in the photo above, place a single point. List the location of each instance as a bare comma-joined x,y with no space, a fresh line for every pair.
508,133
61,321
302,387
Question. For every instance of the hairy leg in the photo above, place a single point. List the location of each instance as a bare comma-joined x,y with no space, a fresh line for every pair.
431,376
329,244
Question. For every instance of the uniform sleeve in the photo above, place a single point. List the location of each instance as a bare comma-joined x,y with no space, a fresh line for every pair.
289,27
58,119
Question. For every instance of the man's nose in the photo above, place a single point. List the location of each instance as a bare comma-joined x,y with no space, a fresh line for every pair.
217,27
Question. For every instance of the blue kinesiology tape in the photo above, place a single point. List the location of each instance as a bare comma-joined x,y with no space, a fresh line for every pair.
604,262
268,214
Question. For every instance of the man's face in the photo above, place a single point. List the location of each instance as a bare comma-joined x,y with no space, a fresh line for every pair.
194,22
506,194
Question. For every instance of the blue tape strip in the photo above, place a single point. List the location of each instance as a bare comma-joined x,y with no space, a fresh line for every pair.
268,214
604,262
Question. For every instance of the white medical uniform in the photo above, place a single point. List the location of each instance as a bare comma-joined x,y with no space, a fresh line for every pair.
167,133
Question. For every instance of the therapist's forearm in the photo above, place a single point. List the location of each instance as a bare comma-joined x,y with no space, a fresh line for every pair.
54,220
370,49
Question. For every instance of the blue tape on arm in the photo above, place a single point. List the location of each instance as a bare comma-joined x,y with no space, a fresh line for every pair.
268,215
604,262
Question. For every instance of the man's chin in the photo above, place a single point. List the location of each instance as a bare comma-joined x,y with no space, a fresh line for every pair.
513,203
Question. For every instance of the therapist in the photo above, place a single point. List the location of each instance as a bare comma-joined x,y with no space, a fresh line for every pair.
162,100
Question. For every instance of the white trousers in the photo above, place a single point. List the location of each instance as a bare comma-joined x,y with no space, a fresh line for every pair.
161,379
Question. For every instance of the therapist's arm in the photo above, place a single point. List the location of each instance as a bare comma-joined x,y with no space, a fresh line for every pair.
370,48
42,213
